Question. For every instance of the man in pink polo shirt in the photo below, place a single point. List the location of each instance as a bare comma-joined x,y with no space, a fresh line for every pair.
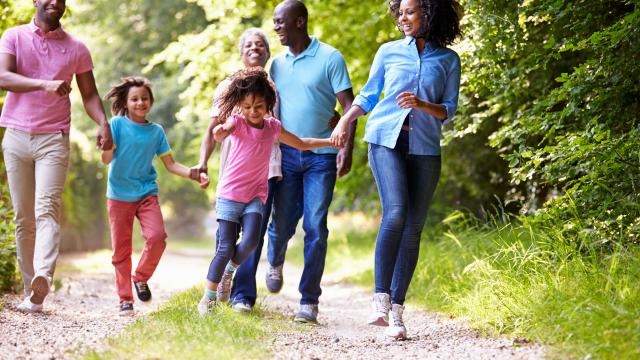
37,63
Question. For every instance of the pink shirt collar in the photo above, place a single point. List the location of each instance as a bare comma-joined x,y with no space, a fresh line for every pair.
58,33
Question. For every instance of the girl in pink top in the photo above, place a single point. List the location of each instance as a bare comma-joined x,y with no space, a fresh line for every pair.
242,190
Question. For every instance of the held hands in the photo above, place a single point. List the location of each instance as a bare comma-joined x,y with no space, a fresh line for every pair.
339,134
408,100
56,87
104,141
199,173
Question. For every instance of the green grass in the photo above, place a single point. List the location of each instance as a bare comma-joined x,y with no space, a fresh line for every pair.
176,331
514,280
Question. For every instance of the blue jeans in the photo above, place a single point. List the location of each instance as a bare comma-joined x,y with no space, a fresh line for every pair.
306,189
244,282
406,184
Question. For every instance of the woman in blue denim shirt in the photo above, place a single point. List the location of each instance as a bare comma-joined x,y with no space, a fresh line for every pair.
420,77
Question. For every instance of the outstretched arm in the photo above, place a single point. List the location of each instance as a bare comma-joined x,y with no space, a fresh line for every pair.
304,143
178,169
93,107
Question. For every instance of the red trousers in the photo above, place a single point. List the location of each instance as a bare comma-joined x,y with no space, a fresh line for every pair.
121,215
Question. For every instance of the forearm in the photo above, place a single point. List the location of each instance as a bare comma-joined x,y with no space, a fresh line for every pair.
310,143
107,156
179,169
94,109
206,148
13,82
436,110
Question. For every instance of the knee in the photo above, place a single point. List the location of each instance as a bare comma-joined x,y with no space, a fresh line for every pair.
414,232
394,218
157,239
47,204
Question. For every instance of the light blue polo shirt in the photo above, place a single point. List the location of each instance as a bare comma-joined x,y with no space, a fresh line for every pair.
132,176
307,86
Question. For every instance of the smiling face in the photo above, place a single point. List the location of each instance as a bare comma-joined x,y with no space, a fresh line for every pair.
254,52
285,23
254,108
138,103
410,17
49,11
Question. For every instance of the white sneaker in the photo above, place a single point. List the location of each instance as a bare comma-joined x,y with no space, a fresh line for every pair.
396,327
27,306
39,289
381,306
274,279
242,307
206,305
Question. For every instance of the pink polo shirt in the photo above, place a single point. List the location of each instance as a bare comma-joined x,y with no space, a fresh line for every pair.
55,55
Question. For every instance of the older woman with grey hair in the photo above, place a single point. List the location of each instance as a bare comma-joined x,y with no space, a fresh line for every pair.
254,51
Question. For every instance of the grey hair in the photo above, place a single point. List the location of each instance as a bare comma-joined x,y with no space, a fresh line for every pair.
254,32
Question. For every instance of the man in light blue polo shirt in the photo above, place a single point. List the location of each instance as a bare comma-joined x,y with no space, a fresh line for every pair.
309,76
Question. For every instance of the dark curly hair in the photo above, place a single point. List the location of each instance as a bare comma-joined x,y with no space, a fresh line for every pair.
249,81
119,93
440,20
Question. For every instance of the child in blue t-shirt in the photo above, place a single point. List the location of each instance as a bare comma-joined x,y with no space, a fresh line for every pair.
132,190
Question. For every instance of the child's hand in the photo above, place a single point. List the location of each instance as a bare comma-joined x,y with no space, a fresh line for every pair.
219,133
339,135
204,180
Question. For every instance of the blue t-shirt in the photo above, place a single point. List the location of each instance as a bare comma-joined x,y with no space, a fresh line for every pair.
307,86
131,173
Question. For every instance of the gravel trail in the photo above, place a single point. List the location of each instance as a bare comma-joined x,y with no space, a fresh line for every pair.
83,312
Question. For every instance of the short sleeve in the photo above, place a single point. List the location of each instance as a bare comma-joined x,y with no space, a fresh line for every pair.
114,125
84,62
338,73
163,145
8,42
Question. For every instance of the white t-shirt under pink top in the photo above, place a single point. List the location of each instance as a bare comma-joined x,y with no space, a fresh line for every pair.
246,171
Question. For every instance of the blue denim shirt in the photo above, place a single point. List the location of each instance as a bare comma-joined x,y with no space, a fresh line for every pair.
433,75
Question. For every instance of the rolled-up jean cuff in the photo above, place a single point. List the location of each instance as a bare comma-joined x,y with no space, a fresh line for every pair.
231,210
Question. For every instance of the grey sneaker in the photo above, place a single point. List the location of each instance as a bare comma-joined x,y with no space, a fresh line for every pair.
242,307
224,287
206,305
39,289
274,279
381,306
308,313
396,327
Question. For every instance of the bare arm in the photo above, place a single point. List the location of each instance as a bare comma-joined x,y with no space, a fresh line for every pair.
208,145
409,100
304,143
339,135
178,169
107,156
93,107
10,80
343,160
221,131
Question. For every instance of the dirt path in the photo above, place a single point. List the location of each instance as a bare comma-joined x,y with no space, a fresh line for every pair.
83,312
344,334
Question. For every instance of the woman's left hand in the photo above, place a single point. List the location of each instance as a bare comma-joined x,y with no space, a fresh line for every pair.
407,100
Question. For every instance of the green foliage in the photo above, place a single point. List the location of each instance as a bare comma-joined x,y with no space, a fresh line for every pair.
9,16
556,83
517,279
